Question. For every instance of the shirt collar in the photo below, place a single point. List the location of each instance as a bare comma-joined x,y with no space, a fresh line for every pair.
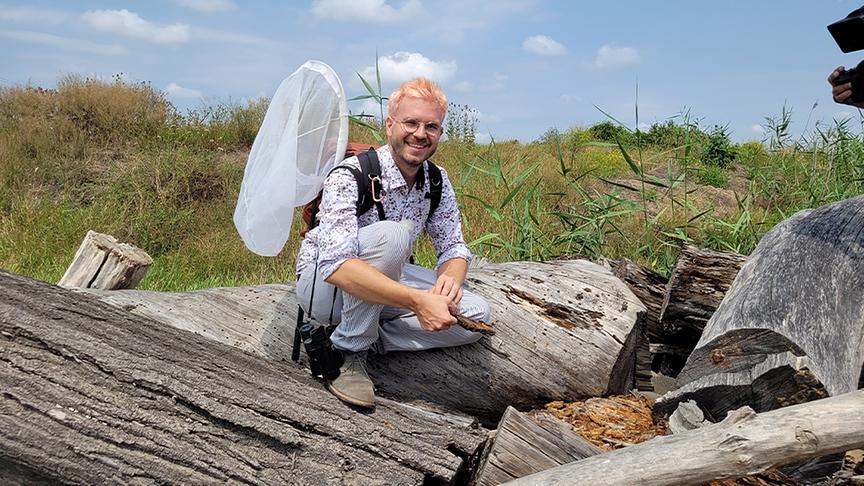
393,176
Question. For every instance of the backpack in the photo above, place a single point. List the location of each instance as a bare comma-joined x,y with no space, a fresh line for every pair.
370,192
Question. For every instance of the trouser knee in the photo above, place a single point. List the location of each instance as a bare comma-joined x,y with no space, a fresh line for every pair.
386,245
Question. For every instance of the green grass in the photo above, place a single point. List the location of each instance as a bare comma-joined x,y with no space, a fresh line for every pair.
117,158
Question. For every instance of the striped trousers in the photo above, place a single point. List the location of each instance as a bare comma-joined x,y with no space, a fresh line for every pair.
385,245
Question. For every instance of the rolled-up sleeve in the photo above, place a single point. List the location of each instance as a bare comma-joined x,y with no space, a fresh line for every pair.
445,226
337,229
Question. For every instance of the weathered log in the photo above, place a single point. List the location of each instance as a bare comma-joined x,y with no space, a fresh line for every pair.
650,288
102,262
743,444
696,287
93,394
791,328
563,330
524,445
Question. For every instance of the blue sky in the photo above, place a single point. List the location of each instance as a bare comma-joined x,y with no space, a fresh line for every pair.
525,65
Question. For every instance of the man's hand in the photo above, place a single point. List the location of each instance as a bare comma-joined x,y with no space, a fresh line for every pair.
843,91
434,311
448,286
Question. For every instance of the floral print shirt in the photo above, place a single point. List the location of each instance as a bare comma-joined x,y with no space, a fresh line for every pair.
334,240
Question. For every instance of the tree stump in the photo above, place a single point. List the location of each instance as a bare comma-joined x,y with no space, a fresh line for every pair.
101,262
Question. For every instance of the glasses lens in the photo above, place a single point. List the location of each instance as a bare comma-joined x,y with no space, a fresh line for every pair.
411,125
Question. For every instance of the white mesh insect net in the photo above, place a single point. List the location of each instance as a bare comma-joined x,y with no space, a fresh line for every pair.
303,136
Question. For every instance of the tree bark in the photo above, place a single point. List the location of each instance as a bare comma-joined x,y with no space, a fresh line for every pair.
523,445
696,287
743,444
791,328
101,262
650,288
93,394
563,330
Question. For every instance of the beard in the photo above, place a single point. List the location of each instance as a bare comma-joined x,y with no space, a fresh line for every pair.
411,151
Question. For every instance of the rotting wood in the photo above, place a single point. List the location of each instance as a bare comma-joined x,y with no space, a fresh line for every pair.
650,288
475,325
696,287
102,262
791,328
535,356
524,444
94,394
745,443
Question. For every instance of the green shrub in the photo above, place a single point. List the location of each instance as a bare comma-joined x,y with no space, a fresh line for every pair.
669,135
606,131
718,149
712,175
752,151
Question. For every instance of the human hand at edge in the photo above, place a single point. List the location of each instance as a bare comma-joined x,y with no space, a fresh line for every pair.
843,91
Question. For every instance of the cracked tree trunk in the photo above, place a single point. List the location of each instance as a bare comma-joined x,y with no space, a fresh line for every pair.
743,444
563,330
696,287
791,327
93,394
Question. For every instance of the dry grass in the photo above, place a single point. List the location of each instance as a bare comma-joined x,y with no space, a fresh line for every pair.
116,157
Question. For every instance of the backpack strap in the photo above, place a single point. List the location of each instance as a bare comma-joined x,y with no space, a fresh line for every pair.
371,189
435,183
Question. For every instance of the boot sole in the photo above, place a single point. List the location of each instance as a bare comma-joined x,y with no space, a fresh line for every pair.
349,399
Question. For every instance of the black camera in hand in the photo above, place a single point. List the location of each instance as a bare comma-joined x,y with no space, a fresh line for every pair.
324,359
854,76
849,35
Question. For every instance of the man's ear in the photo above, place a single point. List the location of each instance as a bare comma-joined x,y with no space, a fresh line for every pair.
388,125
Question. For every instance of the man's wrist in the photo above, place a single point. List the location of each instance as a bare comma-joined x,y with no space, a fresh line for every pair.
414,298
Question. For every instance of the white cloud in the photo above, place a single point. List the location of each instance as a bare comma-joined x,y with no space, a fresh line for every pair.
130,24
757,129
177,91
609,57
365,11
66,43
543,46
483,138
199,33
208,5
402,66
32,14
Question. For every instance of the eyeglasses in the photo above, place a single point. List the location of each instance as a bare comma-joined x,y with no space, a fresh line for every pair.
410,125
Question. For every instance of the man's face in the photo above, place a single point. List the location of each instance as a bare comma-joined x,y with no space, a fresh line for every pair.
411,147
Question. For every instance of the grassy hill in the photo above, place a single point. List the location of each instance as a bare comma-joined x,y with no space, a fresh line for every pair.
117,158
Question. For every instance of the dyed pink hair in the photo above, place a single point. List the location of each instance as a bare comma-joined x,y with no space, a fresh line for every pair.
417,88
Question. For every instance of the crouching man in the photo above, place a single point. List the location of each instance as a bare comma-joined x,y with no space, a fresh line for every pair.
353,269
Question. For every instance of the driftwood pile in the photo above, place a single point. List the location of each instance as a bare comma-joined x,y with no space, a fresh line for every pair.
106,385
